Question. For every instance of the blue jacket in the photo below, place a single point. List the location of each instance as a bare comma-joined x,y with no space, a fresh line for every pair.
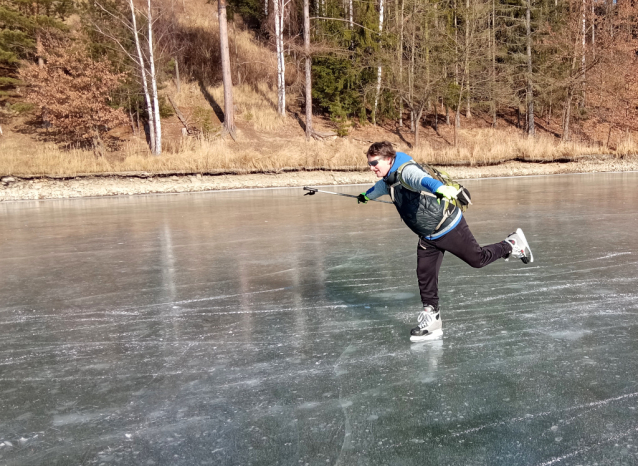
411,189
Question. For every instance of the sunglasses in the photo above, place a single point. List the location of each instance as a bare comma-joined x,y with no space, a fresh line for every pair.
373,163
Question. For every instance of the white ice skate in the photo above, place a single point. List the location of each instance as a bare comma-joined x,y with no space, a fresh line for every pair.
429,325
520,247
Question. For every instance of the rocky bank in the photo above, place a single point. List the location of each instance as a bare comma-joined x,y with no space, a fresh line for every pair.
14,188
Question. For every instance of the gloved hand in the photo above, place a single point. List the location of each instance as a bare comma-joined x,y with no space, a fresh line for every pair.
362,198
448,192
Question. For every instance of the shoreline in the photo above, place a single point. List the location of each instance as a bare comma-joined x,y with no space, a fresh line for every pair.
16,189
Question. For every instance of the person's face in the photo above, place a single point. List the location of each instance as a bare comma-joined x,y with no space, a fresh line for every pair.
379,165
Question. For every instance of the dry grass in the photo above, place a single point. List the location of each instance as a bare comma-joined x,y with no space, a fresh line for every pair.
254,104
490,146
627,146
195,156
213,156
18,158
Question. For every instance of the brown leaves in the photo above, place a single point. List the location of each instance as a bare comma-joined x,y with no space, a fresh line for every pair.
73,92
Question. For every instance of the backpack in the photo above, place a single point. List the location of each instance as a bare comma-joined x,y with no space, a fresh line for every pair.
463,199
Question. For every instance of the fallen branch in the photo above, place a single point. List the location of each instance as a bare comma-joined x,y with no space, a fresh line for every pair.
181,117
367,141
320,136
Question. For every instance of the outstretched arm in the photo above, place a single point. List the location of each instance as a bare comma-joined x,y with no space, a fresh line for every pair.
378,190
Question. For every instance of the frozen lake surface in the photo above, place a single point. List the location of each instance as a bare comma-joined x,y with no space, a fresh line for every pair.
264,327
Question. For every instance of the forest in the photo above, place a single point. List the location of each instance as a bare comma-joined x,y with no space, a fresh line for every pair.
98,75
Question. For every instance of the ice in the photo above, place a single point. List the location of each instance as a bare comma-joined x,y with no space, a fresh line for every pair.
265,327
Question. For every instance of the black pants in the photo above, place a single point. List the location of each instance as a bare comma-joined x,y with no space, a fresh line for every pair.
460,242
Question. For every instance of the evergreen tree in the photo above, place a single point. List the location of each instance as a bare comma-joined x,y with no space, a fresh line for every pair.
22,24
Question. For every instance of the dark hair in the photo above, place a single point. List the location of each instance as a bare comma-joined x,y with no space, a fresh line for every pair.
382,149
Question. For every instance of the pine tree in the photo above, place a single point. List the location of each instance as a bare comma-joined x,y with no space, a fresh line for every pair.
22,24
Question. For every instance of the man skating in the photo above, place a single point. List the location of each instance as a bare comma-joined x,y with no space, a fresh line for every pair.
422,203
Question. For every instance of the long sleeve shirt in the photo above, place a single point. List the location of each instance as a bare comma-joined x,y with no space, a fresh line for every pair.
412,175
418,180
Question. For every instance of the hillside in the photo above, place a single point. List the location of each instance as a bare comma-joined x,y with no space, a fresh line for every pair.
266,142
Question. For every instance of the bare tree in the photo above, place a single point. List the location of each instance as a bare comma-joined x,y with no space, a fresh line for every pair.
468,24
142,68
153,78
229,108
530,84
279,7
177,80
418,73
306,40
379,69
400,23
145,66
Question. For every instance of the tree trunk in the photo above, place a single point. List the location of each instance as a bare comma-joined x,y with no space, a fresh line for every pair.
177,81
153,77
457,116
584,33
39,50
229,107
568,108
456,43
350,14
417,125
306,40
518,116
279,6
468,113
400,57
378,90
593,30
142,65
530,86
411,72
493,77
570,93
457,123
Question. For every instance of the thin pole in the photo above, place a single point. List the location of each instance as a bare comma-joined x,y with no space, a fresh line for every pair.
312,191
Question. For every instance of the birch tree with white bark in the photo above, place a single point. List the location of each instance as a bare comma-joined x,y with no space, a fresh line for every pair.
279,10
145,65
379,69
141,64
153,79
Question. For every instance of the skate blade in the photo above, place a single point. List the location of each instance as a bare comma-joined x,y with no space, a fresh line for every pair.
520,233
429,347
435,335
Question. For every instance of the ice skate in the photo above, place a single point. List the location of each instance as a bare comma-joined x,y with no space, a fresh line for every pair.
520,247
429,325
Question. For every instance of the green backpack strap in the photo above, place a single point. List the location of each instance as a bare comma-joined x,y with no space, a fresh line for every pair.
463,200
404,184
